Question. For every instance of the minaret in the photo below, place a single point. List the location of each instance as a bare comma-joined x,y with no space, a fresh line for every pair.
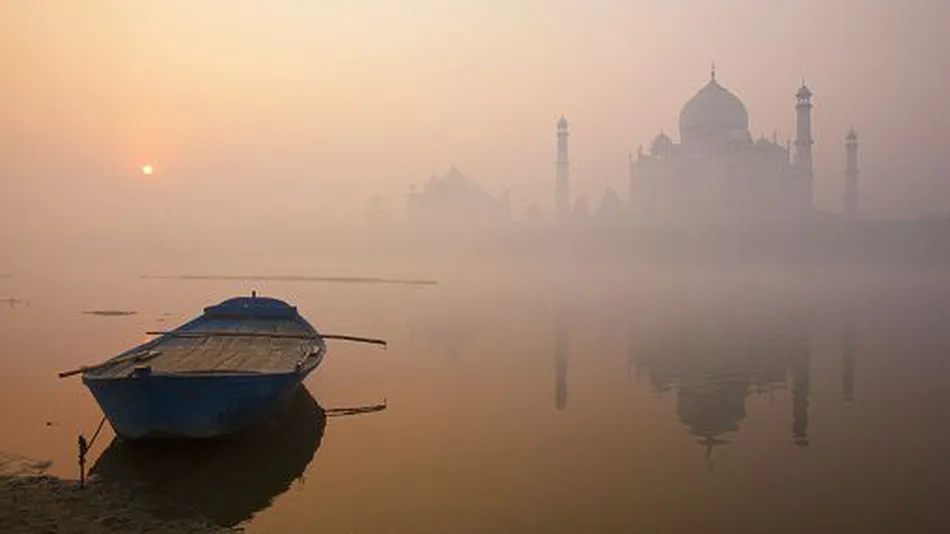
800,391
848,356
803,142
562,198
560,360
800,367
849,200
632,186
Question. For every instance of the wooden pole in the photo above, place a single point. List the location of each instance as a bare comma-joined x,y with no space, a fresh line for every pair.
83,449
287,335
357,339
227,333
138,356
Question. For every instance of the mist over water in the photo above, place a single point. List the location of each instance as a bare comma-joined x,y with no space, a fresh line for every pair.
623,290
574,397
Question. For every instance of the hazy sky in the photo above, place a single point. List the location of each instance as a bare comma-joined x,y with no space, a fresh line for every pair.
269,112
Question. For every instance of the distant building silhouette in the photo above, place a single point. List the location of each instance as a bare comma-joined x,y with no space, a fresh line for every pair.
562,191
455,204
804,173
717,172
850,201
612,211
748,195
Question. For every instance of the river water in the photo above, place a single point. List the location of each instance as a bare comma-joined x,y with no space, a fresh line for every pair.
580,402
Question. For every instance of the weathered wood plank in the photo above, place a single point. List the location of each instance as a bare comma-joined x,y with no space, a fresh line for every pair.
221,333
255,345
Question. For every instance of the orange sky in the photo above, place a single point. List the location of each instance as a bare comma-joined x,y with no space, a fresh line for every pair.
298,111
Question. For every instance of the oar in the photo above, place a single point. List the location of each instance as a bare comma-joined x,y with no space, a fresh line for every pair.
136,357
287,335
357,339
228,333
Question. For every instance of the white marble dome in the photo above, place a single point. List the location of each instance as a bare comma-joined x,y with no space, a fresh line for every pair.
713,113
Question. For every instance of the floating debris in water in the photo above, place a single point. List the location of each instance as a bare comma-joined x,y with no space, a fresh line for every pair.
295,278
110,313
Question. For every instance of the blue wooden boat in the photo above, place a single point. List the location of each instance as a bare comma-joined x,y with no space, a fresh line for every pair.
223,371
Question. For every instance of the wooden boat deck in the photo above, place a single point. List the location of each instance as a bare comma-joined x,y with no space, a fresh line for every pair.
251,345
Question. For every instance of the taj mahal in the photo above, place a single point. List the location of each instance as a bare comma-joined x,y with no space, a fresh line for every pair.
714,191
717,173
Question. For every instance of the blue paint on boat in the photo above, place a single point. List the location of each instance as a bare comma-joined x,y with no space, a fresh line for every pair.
145,402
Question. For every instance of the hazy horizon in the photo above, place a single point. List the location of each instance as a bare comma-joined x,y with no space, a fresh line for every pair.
293,115
733,344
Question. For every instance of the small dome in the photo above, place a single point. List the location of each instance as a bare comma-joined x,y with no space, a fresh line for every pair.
610,204
562,123
713,113
660,145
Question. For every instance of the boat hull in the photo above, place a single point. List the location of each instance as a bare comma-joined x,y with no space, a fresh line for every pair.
200,406
227,369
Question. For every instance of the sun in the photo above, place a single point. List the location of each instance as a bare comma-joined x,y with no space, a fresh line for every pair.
147,169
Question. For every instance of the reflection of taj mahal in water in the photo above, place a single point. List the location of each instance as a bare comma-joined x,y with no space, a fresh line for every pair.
713,374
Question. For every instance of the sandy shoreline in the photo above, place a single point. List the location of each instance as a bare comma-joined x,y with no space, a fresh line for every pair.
32,502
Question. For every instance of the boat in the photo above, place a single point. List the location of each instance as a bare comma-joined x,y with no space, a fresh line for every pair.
234,365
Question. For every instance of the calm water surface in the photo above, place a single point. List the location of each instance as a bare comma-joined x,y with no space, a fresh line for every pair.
678,405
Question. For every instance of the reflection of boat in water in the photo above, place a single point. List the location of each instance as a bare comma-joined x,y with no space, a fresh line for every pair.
226,480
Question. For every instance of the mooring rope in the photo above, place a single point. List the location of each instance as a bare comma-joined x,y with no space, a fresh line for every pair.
102,422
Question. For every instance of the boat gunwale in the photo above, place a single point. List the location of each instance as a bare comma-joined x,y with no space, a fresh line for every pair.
306,365
101,372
